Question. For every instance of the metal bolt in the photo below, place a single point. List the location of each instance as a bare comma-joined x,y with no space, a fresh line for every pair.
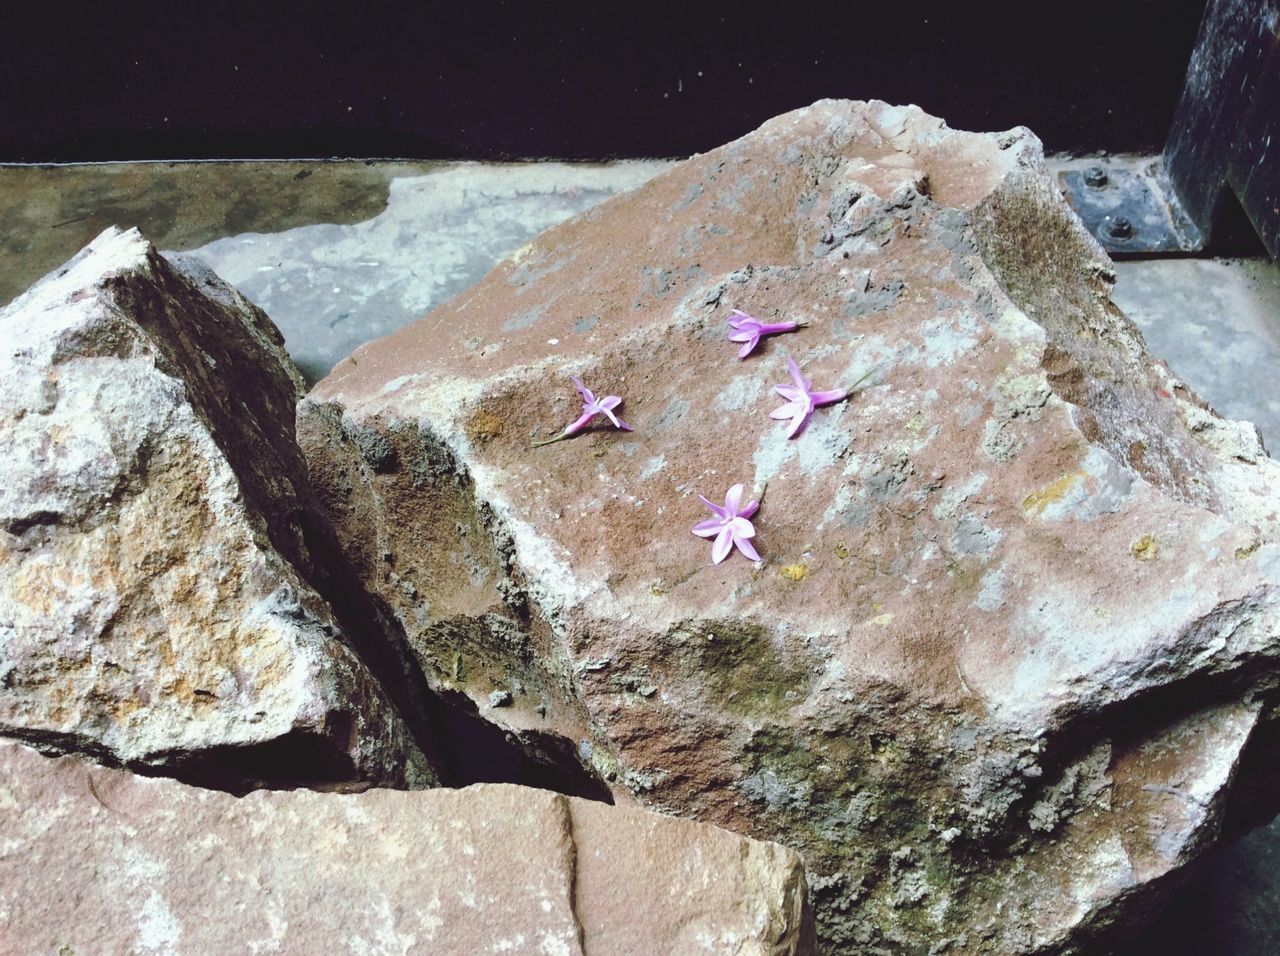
1095,176
1120,228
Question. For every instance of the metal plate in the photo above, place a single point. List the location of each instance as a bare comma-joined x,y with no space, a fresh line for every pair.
1130,208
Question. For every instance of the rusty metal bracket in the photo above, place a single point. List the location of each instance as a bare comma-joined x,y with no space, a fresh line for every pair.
1130,207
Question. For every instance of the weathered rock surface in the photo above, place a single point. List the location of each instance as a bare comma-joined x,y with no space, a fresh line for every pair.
154,606
98,861
1009,661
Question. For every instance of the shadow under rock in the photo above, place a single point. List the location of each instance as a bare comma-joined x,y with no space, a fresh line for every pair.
478,751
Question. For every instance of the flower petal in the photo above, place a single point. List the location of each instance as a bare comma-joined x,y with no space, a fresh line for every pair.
714,507
609,402
580,424
708,528
796,377
742,528
747,548
617,422
789,392
796,424
723,545
586,393
828,397
749,510
749,347
746,336
789,410
732,500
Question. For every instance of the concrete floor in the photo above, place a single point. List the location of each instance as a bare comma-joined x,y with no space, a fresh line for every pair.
340,253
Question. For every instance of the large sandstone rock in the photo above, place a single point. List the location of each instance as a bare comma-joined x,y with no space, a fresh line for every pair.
98,861
1008,662
154,605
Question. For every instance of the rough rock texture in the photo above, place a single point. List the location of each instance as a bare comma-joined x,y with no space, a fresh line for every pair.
1009,660
154,609
98,861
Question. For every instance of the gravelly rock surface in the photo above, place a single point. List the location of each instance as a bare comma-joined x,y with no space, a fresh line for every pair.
97,861
155,604
1007,663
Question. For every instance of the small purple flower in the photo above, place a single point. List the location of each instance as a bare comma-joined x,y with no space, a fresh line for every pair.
801,400
729,527
751,331
591,407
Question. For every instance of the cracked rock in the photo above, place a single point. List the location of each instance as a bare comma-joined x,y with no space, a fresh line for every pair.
155,608
1019,593
99,861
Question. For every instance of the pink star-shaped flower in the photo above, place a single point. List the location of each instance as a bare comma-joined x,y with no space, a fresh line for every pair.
591,407
751,331
729,527
801,399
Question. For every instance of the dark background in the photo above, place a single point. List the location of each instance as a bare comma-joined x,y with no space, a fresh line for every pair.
492,80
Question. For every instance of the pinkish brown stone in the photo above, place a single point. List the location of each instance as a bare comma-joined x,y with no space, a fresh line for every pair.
98,861
156,559
1020,561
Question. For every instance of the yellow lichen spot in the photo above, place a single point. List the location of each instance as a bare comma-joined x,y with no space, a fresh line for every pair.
1036,502
484,426
1145,548
1247,552
882,619
657,590
794,572
842,552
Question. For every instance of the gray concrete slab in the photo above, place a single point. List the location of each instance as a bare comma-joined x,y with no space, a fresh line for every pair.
1217,323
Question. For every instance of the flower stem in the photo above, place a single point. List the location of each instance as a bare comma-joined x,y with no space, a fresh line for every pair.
548,441
863,379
